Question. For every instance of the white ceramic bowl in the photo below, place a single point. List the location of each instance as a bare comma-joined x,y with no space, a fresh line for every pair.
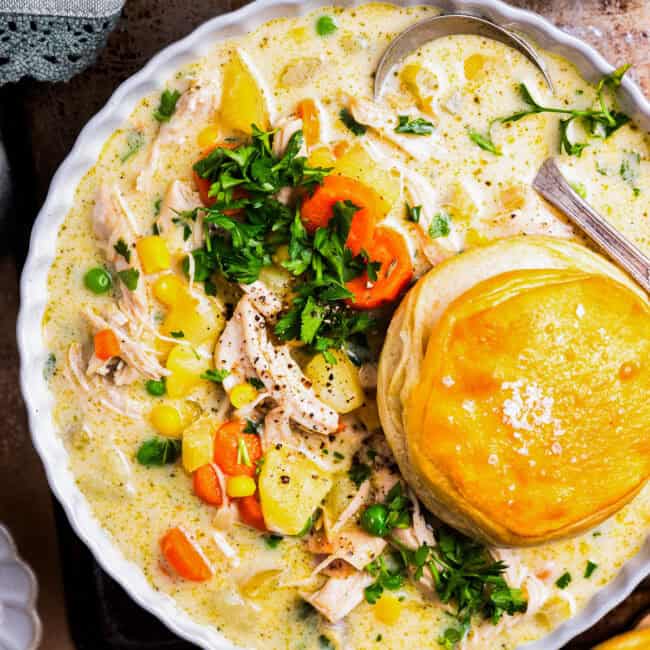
20,627
33,353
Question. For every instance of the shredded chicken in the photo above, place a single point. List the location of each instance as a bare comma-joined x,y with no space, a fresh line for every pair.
368,376
420,192
135,353
112,223
339,596
179,198
263,299
231,354
353,507
281,375
285,128
98,389
383,120
197,105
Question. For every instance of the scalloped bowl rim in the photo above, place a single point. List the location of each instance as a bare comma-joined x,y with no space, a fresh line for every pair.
33,287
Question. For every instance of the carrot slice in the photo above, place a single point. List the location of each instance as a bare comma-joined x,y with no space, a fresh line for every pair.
236,452
184,555
207,486
340,148
250,512
390,250
106,345
308,113
318,209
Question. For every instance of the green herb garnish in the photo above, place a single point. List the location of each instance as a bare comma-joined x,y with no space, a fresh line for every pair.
134,142
216,375
483,141
348,120
130,278
167,105
440,225
122,249
178,334
414,126
563,581
590,568
358,473
255,382
159,451
325,25
272,541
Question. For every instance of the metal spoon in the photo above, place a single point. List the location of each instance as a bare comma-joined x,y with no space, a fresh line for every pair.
435,27
550,183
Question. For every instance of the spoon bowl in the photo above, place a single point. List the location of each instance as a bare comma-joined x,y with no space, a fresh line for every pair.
435,27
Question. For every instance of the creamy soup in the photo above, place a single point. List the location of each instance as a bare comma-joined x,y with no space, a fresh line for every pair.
223,427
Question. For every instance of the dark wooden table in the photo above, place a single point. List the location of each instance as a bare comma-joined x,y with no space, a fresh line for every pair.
40,122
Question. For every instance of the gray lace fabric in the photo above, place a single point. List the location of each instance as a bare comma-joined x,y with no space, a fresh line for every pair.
52,40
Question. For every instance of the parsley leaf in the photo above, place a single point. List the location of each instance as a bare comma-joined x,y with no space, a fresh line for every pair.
272,541
130,278
122,249
348,120
217,376
413,213
440,225
178,334
358,473
563,581
415,126
159,451
483,141
167,105
590,568
255,383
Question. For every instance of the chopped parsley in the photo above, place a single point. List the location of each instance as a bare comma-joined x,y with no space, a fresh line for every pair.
325,25
255,383
167,106
159,451
415,126
130,278
217,376
630,168
122,249
440,225
252,427
348,120
579,189
358,473
600,122
272,541
483,141
563,581
590,568
389,573
413,213
134,142
178,334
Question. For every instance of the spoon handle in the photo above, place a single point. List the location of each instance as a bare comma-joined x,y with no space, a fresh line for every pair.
552,185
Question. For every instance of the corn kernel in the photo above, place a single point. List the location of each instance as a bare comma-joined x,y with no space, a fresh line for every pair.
298,34
153,253
240,486
388,609
168,289
208,136
242,394
166,420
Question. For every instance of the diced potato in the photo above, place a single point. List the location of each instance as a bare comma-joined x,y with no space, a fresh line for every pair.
198,441
186,369
369,414
291,488
421,83
153,253
474,66
337,384
197,326
512,197
242,102
357,163
299,72
321,157
461,205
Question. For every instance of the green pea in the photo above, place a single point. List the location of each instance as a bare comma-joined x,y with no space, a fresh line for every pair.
325,26
155,387
373,519
98,280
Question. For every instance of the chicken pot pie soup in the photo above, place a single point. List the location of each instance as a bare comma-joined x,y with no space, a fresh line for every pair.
222,296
